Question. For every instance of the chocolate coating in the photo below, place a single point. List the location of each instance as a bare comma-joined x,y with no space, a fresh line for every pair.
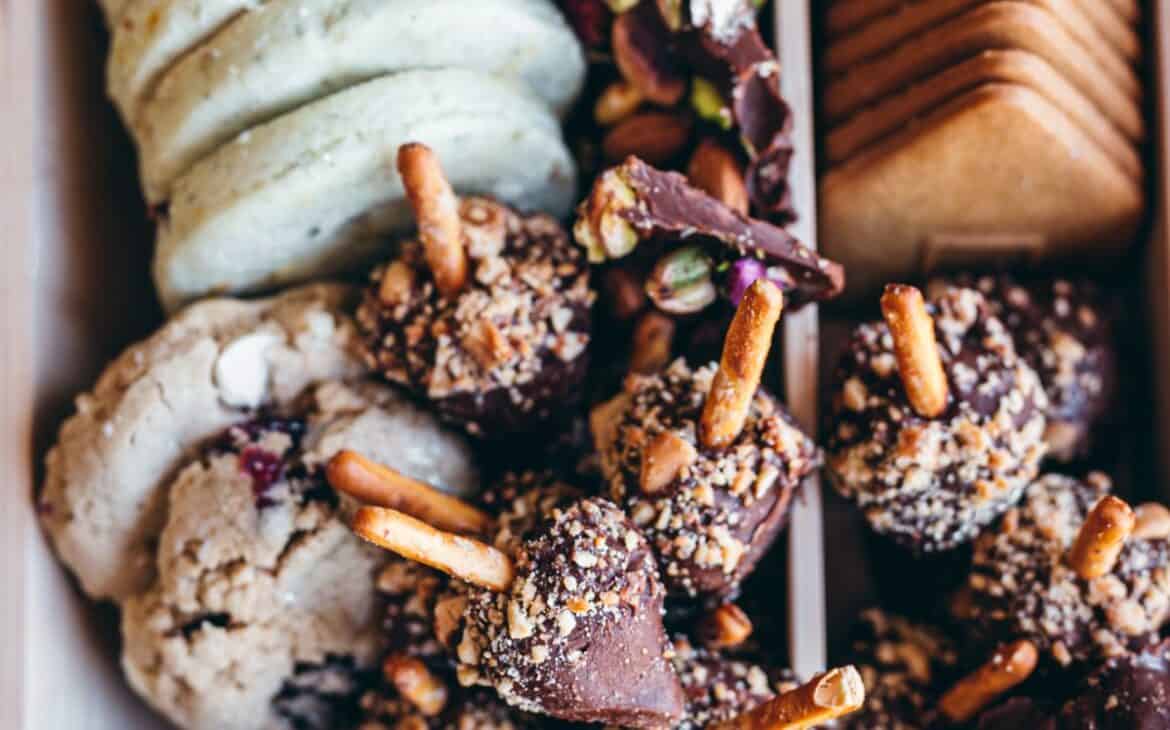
712,523
1062,328
934,483
905,667
509,351
1131,692
579,634
719,687
1022,587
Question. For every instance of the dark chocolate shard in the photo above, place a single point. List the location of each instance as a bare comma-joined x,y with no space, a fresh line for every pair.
748,73
634,201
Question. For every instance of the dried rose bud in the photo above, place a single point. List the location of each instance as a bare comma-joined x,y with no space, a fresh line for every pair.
744,273
680,282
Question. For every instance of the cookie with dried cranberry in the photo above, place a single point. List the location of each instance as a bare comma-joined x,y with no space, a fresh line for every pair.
487,315
260,578
932,481
1075,571
1063,328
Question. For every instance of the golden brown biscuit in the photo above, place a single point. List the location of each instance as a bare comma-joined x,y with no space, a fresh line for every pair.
1115,27
848,15
1009,66
887,31
999,164
993,25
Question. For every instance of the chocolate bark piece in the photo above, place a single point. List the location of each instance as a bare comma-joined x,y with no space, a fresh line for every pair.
905,666
720,687
1022,585
505,354
634,201
731,54
713,516
1063,328
932,484
1130,692
578,635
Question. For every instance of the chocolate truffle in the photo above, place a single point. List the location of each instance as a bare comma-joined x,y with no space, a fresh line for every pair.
1130,692
720,687
932,483
710,513
578,633
1025,581
905,667
497,341
1064,331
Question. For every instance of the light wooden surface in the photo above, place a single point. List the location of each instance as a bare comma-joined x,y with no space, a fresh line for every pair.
1159,245
806,565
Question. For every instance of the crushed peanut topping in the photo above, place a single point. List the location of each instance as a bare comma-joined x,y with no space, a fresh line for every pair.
933,484
718,687
1063,330
518,328
905,668
1023,586
715,519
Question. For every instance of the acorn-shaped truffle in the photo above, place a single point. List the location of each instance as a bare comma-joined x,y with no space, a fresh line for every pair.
563,617
704,460
1075,571
938,423
1063,329
487,315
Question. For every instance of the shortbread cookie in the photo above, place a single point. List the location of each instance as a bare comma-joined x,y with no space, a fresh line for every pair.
994,25
259,574
150,35
883,33
316,192
1009,66
1000,162
103,501
292,52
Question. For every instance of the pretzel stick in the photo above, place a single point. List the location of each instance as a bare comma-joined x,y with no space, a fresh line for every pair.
462,557
416,683
1101,538
830,695
745,350
437,211
381,486
916,350
1007,668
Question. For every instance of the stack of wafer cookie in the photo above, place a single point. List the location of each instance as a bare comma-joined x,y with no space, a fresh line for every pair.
266,129
960,131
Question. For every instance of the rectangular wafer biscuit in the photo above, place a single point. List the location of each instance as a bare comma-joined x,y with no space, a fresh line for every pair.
997,161
990,26
1008,66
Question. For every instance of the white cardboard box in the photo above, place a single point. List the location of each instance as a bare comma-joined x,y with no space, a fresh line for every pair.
75,291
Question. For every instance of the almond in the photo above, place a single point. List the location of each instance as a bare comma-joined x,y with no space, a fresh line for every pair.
656,137
653,338
619,100
726,627
624,292
715,170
